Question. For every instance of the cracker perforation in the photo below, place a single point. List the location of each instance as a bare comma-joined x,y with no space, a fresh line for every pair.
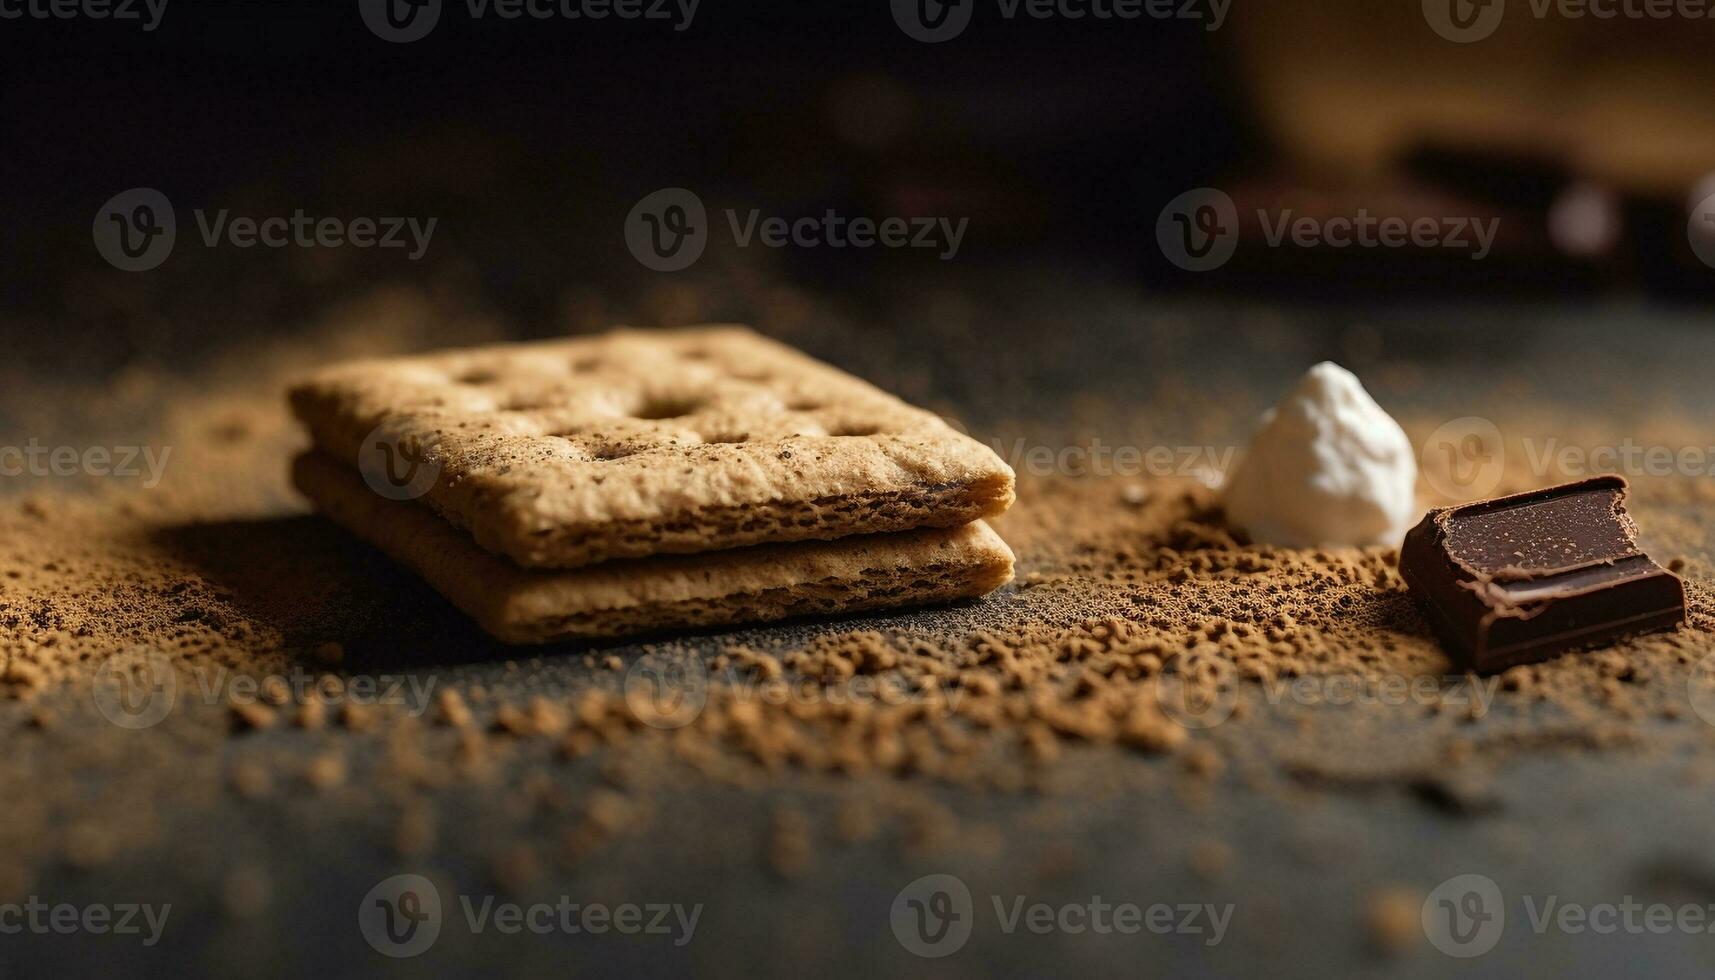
635,443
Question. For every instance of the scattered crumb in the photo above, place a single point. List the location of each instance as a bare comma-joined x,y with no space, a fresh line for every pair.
1394,917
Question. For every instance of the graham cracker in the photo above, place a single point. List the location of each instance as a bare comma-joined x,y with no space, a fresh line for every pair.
569,452
751,585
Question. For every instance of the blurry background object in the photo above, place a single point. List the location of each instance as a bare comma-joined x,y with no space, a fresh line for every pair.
1585,140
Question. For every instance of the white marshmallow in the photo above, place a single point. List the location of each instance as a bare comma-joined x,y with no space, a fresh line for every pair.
1327,467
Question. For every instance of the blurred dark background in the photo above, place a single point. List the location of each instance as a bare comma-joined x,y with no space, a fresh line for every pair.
1061,140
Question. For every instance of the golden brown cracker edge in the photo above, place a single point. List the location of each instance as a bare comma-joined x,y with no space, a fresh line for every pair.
751,585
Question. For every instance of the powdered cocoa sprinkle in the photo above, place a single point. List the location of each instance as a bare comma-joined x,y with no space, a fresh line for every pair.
453,710
359,717
326,771
516,867
416,830
330,653
246,892
89,844
251,780
312,715
1210,859
253,715
789,847
1133,600
1394,917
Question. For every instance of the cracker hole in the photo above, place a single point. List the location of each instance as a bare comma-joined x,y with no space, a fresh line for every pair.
855,429
613,452
655,409
803,405
582,364
477,376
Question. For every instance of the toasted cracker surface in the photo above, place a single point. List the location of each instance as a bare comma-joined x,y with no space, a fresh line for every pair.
569,452
756,584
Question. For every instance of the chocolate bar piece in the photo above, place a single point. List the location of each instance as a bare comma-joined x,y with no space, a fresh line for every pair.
1522,578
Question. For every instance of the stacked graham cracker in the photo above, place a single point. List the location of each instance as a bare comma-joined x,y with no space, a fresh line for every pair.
650,480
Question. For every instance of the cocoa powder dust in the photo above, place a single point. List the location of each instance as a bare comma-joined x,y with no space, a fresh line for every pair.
1142,646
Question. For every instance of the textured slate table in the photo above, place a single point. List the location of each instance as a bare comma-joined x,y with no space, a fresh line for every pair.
1043,354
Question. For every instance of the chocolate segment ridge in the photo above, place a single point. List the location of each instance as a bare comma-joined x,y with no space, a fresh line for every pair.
1522,578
